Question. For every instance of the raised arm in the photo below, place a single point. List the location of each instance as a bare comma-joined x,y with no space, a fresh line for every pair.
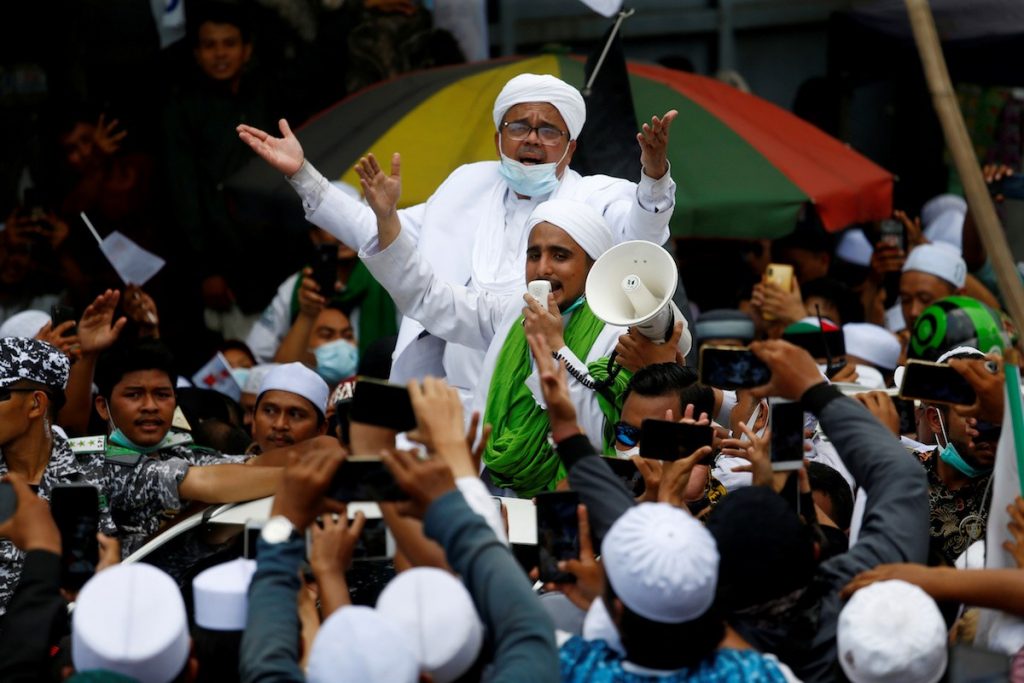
284,154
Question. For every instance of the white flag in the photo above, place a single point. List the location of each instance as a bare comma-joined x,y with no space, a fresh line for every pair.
169,16
135,265
216,375
999,631
607,8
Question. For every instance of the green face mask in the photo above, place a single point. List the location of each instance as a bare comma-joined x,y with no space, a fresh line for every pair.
951,456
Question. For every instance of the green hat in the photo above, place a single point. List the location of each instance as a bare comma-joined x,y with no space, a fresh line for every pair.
957,321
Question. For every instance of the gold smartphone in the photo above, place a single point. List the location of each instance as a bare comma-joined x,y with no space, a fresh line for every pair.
782,275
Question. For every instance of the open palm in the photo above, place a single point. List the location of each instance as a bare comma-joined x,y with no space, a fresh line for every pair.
283,153
382,191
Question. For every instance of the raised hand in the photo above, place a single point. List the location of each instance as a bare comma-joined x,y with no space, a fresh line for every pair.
97,330
554,385
31,527
653,139
283,154
793,370
141,309
106,136
636,351
755,451
545,321
439,423
987,378
311,299
382,191
63,336
589,583
424,480
300,495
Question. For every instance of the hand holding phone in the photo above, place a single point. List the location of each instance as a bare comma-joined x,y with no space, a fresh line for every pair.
380,403
935,383
325,268
558,534
732,367
787,435
60,314
364,478
671,441
75,509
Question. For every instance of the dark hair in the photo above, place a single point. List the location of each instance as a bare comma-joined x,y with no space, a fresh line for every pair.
662,379
122,358
236,345
846,301
320,417
221,436
827,480
218,654
658,645
56,397
218,12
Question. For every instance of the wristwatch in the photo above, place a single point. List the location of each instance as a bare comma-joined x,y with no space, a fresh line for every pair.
278,529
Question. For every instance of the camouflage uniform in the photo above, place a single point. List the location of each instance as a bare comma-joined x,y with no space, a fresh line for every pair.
65,467
144,487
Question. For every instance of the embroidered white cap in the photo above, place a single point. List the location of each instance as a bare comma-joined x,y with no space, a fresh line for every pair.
220,595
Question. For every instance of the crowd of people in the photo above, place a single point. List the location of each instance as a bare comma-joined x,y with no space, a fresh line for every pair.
863,558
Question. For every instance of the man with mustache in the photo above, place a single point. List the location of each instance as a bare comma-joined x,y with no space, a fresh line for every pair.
290,407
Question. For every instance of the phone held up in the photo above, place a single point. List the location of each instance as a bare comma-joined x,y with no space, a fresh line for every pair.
75,509
558,534
787,428
671,441
935,383
732,367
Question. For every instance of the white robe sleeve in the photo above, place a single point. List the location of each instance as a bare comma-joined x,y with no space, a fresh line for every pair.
452,312
350,221
639,212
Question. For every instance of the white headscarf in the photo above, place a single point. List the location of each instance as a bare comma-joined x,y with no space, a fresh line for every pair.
543,88
585,225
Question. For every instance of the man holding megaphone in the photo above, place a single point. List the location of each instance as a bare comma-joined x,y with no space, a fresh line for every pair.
566,237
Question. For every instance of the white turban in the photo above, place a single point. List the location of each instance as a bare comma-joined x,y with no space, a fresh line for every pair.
543,88
585,225
872,343
24,324
296,378
940,260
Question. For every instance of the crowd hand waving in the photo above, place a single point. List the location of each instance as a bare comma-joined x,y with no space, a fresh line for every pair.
881,406
382,193
106,137
653,139
55,337
587,569
554,386
424,480
1016,528
755,451
31,527
97,330
140,308
793,370
544,321
300,495
635,351
439,424
284,154
787,307
987,378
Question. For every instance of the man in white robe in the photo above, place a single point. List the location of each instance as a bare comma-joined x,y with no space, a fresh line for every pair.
473,230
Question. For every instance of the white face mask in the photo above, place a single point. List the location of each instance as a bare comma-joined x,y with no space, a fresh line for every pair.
628,453
530,180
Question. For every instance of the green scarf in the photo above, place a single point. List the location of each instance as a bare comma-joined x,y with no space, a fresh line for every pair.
518,454
377,316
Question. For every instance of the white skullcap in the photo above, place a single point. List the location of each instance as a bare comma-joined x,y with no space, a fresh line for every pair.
890,632
854,247
255,377
947,228
296,378
940,260
543,88
661,562
583,223
598,625
130,619
940,205
868,377
220,595
872,343
960,351
436,613
356,644
24,324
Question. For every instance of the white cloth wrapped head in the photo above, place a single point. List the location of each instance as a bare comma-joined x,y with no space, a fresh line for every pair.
357,644
581,221
543,88
872,343
891,631
939,259
855,248
296,378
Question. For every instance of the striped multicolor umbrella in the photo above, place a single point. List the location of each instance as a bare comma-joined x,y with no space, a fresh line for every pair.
743,166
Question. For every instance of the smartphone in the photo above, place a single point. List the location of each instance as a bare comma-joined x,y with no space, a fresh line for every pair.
781,275
935,383
558,534
539,290
627,472
381,403
732,367
821,345
375,541
969,664
60,314
325,268
364,477
890,233
670,441
908,415
787,444
8,501
250,537
76,511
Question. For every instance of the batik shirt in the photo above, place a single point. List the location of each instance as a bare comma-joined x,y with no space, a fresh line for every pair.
957,518
65,467
144,487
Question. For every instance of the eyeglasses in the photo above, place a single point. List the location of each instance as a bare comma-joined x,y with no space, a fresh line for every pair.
627,434
520,130
5,392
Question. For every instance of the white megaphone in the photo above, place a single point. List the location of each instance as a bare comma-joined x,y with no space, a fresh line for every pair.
631,285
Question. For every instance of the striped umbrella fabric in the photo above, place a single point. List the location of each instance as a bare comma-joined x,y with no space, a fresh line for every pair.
743,166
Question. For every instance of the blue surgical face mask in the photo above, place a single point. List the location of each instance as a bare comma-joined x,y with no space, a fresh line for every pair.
336,360
118,438
951,456
530,180
240,375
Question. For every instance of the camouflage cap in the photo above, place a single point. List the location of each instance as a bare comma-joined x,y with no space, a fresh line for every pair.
22,358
